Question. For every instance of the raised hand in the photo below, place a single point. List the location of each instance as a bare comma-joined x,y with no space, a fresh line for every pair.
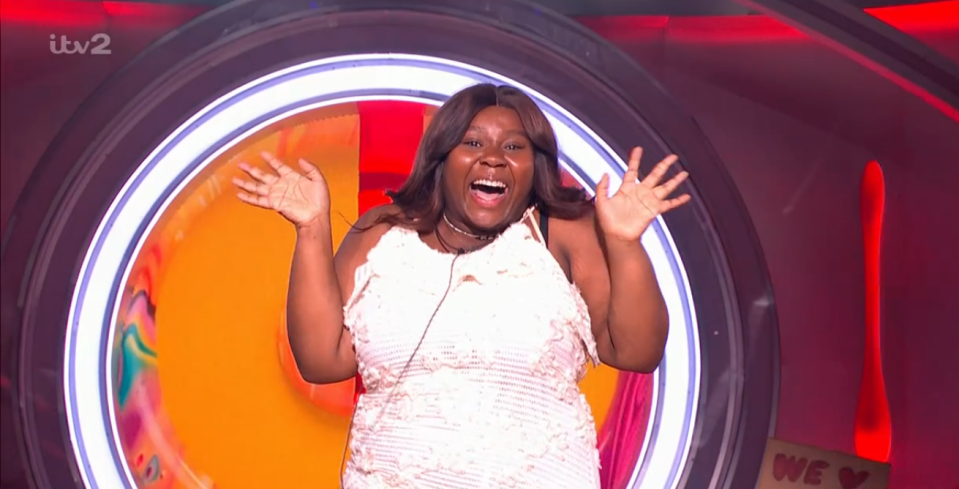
302,198
628,213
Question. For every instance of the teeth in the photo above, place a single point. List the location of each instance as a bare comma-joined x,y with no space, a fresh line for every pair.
490,183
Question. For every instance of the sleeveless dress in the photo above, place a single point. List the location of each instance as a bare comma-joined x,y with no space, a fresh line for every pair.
491,397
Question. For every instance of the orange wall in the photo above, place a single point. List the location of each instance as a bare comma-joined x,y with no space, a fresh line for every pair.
218,316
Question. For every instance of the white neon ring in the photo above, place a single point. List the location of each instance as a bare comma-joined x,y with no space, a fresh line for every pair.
244,111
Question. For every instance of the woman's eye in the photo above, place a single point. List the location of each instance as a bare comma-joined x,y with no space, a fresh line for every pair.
471,143
513,147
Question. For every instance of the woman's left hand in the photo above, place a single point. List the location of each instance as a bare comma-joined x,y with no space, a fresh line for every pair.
627,214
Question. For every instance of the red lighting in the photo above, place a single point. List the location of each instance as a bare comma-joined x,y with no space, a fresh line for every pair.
74,13
53,13
933,16
765,30
929,16
390,133
151,11
873,429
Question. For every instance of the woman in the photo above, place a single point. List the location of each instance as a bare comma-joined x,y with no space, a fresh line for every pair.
470,305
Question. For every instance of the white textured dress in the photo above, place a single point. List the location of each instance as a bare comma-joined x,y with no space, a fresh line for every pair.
491,398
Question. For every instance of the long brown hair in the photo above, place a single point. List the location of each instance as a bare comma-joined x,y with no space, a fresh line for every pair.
420,199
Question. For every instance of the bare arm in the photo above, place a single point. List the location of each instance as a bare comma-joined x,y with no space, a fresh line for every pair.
319,286
627,310
629,316
314,310
319,282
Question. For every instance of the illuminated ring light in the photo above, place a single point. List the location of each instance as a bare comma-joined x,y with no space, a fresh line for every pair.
237,115
117,128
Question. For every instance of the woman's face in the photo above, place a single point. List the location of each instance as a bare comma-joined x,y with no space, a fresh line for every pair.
488,177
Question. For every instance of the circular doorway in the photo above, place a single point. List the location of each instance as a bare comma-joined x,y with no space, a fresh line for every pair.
592,131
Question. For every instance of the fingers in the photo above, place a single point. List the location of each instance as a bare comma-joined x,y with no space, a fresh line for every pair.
250,187
258,174
671,185
277,165
253,194
255,200
659,171
311,172
602,189
632,167
663,191
671,204
265,182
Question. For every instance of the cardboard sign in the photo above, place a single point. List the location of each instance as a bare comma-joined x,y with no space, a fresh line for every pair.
790,466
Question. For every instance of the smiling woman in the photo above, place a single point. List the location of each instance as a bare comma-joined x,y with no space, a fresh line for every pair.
442,410
506,129
675,297
499,192
177,356
152,146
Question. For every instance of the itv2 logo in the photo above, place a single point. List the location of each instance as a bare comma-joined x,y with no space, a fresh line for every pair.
100,44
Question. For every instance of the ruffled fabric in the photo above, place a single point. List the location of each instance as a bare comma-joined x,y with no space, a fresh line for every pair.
490,397
361,281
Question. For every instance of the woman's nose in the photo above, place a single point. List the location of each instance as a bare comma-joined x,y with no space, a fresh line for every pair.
493,158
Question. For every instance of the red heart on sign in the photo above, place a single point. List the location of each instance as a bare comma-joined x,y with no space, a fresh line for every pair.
850,479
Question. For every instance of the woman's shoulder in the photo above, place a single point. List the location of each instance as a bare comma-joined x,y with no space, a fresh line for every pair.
375,218
367,231
380,243
583,220
573,231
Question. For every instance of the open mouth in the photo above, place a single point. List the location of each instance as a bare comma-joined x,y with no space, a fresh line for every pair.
488,192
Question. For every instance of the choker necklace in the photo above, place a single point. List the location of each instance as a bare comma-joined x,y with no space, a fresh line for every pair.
488,237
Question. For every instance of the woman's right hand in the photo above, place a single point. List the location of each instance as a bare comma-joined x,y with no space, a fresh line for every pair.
302,198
